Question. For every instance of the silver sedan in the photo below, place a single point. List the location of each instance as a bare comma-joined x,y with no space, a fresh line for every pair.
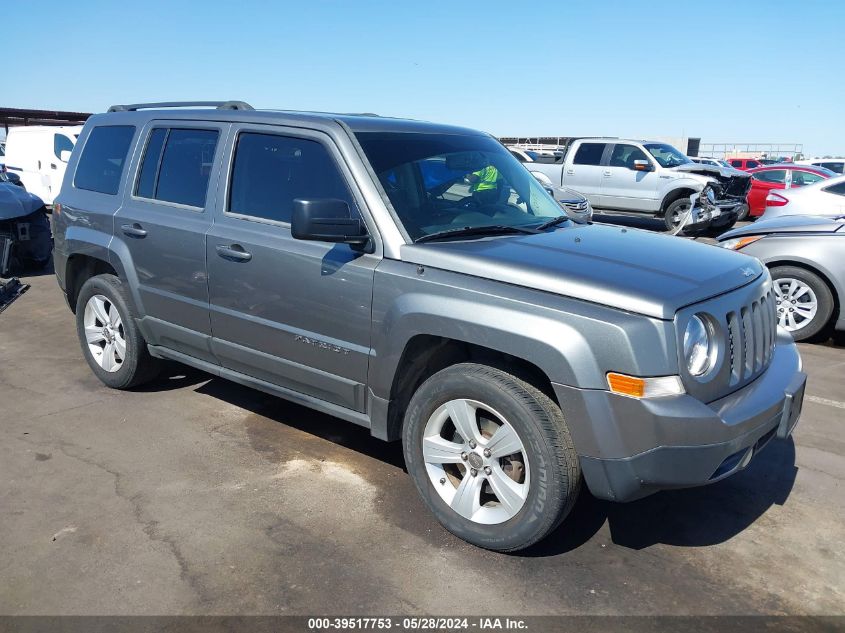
806,257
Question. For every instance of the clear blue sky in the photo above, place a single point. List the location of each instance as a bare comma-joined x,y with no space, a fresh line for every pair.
738,71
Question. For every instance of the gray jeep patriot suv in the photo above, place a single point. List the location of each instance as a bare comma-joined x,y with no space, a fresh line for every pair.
415,279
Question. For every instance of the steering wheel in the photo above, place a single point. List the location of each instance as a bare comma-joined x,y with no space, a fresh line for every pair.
468,203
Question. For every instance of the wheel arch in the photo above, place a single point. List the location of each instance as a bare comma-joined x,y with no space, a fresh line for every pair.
424,355
824,275
80,267
684,191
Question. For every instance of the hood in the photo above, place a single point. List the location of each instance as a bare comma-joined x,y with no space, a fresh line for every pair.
788,224
565,194
16,202
710,170
636,271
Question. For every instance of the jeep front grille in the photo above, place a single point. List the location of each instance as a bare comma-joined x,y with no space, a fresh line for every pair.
751,338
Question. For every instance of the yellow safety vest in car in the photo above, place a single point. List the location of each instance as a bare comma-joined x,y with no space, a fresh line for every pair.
487,178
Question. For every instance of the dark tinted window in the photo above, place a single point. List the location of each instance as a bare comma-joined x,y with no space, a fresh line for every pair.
625,155
270,172
771,175
61,143
736,163
838,189
103,156
753,163
837,167
589,154
185,166
149,168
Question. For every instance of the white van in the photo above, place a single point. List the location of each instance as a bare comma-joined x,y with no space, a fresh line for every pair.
39,155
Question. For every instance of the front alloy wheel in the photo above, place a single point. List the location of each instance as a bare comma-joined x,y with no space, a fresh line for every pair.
491,456
804,302
476,461
797,304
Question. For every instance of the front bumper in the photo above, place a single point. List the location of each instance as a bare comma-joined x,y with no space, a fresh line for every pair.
631,448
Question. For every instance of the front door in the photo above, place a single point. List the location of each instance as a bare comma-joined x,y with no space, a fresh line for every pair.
293,313
623,187
163,224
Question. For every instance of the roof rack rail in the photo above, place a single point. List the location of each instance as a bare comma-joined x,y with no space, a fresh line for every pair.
220,105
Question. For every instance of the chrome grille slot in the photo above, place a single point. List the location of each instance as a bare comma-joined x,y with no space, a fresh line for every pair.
734,347
747,344
759,346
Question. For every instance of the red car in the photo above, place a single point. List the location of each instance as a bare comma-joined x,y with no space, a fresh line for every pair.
784,176
745,164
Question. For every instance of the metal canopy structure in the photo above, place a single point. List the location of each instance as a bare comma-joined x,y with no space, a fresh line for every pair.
11,117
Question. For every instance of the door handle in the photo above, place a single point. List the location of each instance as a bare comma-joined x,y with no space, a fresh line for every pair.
570,172
235,252
607,173
52,166
133,230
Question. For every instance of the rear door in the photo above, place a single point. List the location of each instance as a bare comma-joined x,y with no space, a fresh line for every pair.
289,312
622,187
162,224
583,171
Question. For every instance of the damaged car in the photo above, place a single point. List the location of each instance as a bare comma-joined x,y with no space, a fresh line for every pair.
650,178
25,237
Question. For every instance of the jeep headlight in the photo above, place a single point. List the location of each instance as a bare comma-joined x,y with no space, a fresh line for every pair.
699,347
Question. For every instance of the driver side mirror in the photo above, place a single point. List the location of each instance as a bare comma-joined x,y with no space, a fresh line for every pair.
64,155
327,220
642,165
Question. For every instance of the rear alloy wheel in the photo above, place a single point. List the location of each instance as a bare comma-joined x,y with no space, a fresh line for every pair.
803,300
491,456
742,212
110,339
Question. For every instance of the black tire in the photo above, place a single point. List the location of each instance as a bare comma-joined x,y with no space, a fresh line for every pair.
555,470
138,366
675,207
742,213
819,326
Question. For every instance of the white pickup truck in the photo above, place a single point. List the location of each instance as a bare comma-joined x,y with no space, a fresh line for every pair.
646,177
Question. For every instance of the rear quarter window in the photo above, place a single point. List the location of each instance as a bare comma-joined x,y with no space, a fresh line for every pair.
103,158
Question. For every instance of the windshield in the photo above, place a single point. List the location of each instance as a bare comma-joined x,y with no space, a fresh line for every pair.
443,182
666,155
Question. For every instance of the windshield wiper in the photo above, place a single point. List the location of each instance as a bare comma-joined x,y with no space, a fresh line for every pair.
471,231
553,222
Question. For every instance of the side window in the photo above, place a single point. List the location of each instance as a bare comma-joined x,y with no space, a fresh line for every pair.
145,188
103,157
838,189
61,143
270,172
625,155
589,154
837,167
186,166
771,175
801,178
736,163
753,163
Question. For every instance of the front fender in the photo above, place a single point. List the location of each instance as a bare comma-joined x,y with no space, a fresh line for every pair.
673,185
